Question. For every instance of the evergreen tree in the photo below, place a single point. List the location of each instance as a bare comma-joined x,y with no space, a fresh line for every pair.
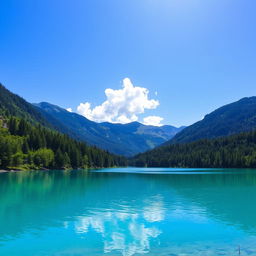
32,146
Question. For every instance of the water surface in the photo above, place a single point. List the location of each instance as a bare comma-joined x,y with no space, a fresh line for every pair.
130,211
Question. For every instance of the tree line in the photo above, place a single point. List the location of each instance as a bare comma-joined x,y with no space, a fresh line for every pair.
236,151
24,145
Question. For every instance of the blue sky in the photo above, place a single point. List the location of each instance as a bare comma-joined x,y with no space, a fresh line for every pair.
196,54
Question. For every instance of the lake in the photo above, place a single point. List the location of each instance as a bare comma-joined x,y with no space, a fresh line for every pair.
129,211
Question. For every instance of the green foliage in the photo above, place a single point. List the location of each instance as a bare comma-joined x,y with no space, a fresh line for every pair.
237,151
27,146
17,159
43,157
28,141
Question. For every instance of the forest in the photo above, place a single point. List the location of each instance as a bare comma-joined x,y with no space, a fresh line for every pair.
235,151
29,141
24,145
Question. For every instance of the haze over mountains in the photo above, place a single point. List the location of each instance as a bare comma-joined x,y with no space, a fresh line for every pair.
123,139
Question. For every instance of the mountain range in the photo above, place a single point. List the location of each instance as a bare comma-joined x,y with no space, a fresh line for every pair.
227,129
122,139
29,142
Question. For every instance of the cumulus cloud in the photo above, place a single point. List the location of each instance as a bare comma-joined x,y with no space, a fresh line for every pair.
121,106
153,120
69,109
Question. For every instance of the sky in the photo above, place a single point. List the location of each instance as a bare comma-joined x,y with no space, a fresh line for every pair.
153,61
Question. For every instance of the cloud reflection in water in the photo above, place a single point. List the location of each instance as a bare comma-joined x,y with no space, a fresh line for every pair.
126,232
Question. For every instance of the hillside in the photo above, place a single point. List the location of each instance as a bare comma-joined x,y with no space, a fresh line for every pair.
13,105
123,139
230,119
238,151
28,141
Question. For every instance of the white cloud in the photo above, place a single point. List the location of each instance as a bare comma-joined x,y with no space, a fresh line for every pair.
121,106
69,109
153,120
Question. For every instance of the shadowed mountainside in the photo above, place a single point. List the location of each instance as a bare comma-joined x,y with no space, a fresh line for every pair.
123,139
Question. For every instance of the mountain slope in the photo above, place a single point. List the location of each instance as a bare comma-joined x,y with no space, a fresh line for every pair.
124,139
28,141
234,151
230,119
14,105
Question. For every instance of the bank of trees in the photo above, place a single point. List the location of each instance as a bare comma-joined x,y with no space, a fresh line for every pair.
27,146
236,151
24,145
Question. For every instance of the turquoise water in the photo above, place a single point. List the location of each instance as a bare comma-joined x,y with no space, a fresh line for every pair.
132,211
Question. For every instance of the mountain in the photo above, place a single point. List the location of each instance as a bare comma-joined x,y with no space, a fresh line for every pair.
29,141
230,119
123,139
13,105
225,138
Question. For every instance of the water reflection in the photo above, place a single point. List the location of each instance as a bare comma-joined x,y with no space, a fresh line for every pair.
124,230
127,214
121,232
154,209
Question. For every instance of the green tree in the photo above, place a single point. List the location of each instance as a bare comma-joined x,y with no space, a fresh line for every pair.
17,159
43,157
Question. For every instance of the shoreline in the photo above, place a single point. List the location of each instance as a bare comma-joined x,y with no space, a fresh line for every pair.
31,170
4,171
